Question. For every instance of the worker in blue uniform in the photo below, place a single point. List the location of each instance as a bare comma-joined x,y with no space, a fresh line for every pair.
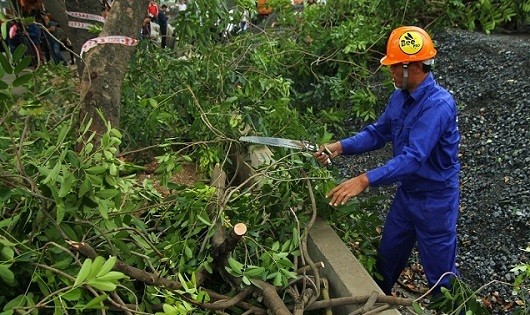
420,120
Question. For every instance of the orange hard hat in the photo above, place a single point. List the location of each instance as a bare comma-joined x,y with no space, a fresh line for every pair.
408,44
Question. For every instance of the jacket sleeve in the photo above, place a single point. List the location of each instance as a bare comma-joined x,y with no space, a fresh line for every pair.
423,136
372,137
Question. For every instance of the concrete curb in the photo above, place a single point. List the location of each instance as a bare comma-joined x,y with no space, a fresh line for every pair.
346,275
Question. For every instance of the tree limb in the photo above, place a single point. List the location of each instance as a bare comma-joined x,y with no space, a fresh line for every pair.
135,273
271,298
392,300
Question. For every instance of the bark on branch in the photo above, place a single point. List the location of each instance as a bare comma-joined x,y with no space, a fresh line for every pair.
220,252
271,298
391,300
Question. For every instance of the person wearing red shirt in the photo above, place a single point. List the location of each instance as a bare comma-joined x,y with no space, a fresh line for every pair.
152,10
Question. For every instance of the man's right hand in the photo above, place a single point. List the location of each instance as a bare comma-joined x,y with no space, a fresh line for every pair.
328,151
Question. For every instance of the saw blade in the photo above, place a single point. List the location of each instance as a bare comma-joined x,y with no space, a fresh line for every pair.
278,142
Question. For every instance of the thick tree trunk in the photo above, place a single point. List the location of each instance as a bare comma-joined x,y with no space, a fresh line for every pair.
106,65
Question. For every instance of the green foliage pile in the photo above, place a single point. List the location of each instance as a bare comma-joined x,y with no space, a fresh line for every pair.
72,212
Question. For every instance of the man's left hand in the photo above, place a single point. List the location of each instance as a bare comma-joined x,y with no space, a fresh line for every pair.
348,189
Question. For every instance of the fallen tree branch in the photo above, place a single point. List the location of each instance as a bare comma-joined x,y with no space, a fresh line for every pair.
152,279
251,308
325,294
316,266
271,298
369,304
391,300
378,310
226,302
135,273
220,252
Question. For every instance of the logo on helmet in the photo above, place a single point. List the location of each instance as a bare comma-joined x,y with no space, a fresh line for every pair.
410,42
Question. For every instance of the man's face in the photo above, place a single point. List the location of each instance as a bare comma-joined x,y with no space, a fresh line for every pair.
396,73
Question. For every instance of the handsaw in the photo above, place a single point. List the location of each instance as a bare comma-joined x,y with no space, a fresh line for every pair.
286,143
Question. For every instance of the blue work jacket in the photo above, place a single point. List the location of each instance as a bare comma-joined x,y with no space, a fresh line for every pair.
423,129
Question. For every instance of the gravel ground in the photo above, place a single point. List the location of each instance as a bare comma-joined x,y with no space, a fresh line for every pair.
489,76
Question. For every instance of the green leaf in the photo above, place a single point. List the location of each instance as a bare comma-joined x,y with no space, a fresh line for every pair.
52,175
3,85
109,264
231,99
8,253
96,170
246,280
103,208
254,272
23,79
169,309
7,275
95,268
102,285
112,276
68,183
83,272
96,302
4,97
19,53
63,264
417,308
23,64
107,193
4,29
72,295
203,220
4,241
85,187
60,211
19,301
183,282
188,251
278,279
235,265
4,62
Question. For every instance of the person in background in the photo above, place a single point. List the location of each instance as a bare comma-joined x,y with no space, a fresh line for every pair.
55,40
34,34
182,6
420,120
245,17
162,22
14,28
152,10
145,32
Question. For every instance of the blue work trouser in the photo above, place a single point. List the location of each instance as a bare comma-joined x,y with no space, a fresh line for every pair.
430,219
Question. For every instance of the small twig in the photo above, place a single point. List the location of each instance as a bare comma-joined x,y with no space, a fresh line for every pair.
369,305
303,249
378,310
325,294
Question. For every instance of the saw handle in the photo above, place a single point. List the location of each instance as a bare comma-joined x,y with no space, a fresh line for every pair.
328,161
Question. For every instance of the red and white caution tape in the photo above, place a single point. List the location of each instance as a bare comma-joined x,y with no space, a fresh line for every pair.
122,40
86,16
81,25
